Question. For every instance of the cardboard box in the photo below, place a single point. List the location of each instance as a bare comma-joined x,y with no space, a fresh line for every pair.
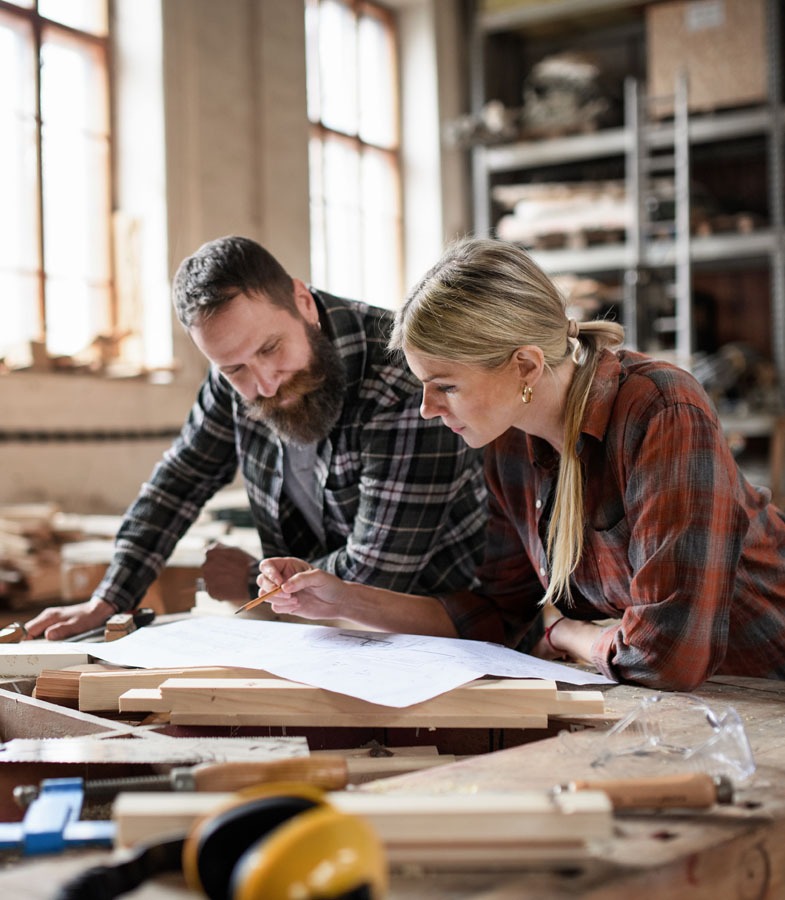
721,44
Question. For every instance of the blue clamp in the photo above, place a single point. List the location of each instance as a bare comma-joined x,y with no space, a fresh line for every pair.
52,824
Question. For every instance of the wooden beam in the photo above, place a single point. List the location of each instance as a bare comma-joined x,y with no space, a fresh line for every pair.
487,703
457,830
32,657
102,690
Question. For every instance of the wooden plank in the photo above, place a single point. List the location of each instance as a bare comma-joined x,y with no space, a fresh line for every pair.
102,690
436,829
354,719
509,703
581,703
32,657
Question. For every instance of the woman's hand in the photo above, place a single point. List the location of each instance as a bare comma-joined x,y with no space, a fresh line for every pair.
568,639
307,592
58,622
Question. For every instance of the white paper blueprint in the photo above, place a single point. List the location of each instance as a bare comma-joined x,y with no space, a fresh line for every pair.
391,669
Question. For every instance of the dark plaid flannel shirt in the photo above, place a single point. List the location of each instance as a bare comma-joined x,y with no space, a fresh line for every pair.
678,546
403,498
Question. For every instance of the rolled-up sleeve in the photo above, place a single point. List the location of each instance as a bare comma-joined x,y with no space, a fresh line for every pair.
687,525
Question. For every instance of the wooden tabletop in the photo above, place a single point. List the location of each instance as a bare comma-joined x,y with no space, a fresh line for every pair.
730,851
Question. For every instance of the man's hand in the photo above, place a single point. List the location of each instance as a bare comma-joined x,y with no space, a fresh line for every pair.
226,572
59,622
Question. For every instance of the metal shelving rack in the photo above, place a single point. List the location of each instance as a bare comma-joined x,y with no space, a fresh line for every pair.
625,142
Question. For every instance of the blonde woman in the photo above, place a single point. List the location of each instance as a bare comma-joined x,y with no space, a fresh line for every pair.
614,494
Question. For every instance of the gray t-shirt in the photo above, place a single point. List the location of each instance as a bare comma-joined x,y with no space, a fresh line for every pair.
300,484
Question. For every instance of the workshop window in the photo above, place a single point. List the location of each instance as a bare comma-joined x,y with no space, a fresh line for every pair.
55,188
356,221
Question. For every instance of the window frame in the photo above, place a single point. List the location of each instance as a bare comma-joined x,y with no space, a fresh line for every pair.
318,130
100,46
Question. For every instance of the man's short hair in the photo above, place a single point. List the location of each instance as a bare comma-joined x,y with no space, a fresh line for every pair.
220,270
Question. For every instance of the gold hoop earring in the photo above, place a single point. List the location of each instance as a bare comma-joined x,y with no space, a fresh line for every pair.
526,394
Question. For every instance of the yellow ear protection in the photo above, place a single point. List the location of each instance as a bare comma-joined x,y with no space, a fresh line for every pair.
270,842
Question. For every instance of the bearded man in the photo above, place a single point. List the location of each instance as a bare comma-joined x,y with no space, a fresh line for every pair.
339,467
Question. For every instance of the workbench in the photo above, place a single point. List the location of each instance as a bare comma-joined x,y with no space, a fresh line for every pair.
731,851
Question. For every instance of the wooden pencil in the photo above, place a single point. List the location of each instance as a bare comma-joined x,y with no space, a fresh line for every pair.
257,600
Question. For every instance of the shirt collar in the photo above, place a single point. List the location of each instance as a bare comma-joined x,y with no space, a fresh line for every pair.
602,396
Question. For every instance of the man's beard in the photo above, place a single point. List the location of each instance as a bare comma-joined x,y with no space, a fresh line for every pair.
316,395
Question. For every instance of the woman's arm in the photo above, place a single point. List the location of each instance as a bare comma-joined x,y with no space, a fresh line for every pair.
569,638
314,594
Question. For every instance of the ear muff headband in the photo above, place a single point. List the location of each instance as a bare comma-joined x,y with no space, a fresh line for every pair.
321,854
217,841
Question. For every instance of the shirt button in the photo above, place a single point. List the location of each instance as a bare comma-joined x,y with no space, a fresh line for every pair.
542,570
537,503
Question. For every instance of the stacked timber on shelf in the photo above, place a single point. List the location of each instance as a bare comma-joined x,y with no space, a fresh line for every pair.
31,537
48,555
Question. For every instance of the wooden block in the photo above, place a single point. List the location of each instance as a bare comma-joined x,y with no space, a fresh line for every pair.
62,685
439,829
569,703
118,626
509,703
142,700
102,690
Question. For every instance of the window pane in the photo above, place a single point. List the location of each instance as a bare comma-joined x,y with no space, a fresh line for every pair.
75,313
313,89
85,15
318,239
381,229
75,191
20,317
338,67
356,242
18,198
342,218
377,79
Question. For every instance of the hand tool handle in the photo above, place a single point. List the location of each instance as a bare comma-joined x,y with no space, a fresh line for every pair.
329,772
14,633
693,790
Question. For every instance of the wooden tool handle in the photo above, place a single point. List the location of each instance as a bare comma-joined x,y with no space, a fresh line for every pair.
14,633
325,771
693,790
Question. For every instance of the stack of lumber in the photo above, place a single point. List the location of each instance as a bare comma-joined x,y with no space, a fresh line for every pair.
556,215
48,555
61,686
30,541
268,701
99,691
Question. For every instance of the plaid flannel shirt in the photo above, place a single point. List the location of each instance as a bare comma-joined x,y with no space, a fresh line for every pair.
403,498
678,546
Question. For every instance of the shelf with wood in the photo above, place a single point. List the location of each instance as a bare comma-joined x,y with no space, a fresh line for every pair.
690,255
